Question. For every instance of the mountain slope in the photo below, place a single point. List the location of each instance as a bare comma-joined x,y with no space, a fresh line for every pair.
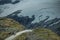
39,34
8,27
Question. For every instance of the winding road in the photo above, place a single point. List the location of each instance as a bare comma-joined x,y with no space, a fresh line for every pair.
17,34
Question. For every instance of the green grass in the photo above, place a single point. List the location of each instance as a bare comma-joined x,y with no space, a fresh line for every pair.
9,23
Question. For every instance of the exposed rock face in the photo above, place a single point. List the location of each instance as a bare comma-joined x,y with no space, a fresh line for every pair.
8,27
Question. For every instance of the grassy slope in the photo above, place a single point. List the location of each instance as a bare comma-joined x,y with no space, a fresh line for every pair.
39,34
9,23
46,34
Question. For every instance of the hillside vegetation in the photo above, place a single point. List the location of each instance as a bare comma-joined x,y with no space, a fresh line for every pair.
39,34
8,27
45,34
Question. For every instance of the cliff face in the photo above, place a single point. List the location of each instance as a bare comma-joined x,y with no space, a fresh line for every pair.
8,27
